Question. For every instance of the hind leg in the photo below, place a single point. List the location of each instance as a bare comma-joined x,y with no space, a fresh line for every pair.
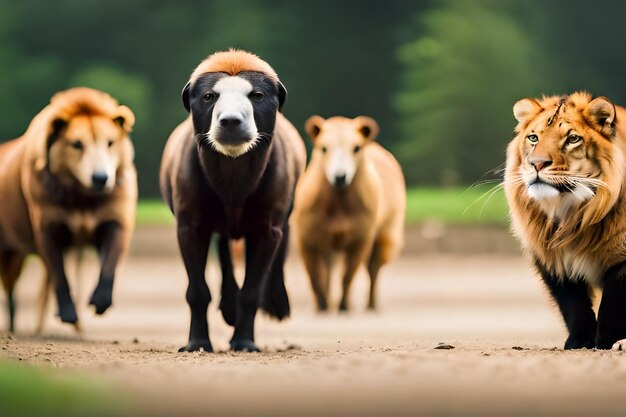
10,268
228,302
612,311
274,298
373,267
44,295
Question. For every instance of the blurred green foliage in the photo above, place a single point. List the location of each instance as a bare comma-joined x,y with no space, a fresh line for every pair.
38,391
484,204
440,76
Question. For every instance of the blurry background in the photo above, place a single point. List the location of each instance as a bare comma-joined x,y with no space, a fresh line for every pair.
440,76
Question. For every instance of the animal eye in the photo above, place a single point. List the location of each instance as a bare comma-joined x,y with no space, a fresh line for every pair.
257,96
77,145
324,149
574,139
110,143
532,138
209,97
357,148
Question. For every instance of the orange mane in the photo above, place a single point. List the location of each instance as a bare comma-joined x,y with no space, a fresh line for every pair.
233,62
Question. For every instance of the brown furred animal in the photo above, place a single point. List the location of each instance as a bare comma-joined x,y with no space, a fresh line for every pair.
231,169
565,183
351,201
68,181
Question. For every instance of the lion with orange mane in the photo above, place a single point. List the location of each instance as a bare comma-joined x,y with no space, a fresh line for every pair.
564,183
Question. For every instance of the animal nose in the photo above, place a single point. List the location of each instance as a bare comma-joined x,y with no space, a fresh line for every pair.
230,121
99,180
539,163
340,180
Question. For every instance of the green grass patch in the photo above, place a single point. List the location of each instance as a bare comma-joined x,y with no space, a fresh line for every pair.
450,205
477,205
153,212
39,391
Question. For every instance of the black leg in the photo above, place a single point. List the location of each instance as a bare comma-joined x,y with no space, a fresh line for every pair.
110,241
228,302
194,246
52,241
10,269
274,298
612,312
574,302
261,249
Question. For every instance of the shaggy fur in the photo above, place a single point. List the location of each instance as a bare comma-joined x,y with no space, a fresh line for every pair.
68,181
361,218
564,183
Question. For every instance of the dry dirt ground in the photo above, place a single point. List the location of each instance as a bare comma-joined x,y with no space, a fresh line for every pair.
506,359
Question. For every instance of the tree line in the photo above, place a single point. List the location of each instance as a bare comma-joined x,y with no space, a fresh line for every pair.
440,76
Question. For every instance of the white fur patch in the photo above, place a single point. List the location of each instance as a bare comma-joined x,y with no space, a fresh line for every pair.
233,101
587,268
341,162
582,193
541,191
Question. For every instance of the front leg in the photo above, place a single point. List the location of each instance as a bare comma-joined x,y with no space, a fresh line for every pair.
261,247
575,305
52,240
110,241
194,244
612,311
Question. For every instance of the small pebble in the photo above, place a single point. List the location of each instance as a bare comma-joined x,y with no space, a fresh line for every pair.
517,348
135,340
444,346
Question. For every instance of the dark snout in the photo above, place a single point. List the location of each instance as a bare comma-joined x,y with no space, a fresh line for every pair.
232,129
99,180
340,181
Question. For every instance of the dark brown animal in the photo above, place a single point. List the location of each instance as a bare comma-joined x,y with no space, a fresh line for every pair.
68,181
231,169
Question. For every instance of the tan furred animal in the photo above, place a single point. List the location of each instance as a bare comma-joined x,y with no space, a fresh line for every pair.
351,201
68,181
565,183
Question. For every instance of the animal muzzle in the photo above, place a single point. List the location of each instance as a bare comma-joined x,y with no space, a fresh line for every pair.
233,130
99,181
340,181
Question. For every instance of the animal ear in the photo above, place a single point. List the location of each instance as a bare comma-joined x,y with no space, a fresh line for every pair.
601,111
185,96
125,118
367,127
525,109
282,95
54,131
313,126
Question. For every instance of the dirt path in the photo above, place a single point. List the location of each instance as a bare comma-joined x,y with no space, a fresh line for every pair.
492,309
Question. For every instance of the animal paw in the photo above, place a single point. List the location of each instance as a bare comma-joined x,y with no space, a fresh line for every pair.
579,342
196,345
67,313
102,298
244,345
619,345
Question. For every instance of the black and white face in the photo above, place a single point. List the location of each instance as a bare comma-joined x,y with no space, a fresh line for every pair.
234,114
